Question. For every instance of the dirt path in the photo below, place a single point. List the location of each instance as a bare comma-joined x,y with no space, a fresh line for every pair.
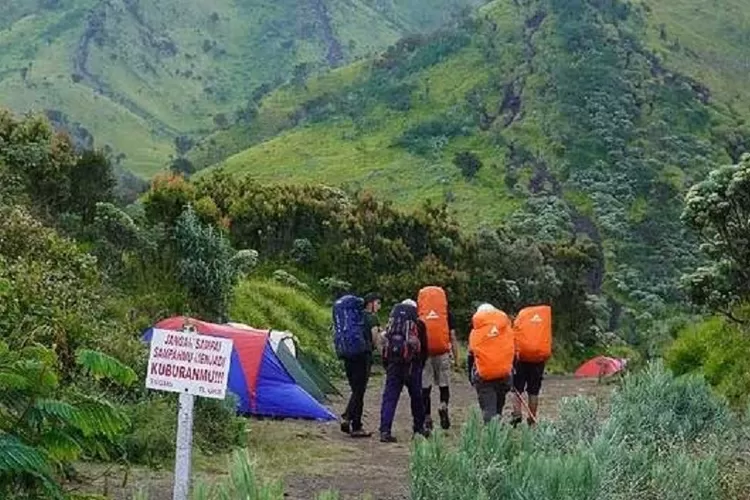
311,457
381,470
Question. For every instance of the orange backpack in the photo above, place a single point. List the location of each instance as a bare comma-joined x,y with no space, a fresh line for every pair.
432,307
533,332
491,341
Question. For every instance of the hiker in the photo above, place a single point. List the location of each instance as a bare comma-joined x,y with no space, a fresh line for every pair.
432,307
355,325
532,329
404,355
490,359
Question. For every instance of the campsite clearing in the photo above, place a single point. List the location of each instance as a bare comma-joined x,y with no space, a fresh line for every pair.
311,457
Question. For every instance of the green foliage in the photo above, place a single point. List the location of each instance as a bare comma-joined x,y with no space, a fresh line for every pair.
720,351
358,244
205,266
432,136
266,304
582,455
718,209
52,289
55,178
100,365
43,428
468,163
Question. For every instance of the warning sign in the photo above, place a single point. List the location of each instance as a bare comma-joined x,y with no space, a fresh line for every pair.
188,363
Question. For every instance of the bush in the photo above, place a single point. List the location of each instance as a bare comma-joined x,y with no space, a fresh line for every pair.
468,163
288,279
666,437
720,351
216,428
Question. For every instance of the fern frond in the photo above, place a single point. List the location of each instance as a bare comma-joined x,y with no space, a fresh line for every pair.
96,417
56,410
60,446
10,381
101,365
17,459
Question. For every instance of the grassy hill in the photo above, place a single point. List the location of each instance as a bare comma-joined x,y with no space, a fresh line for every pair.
582,117
136,75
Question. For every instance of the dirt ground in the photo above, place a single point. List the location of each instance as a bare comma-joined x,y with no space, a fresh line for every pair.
312,457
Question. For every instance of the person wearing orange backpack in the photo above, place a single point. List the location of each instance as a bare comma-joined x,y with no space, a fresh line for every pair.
442,347
490,360
532,329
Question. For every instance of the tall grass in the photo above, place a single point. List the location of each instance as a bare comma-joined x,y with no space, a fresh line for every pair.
266,304
665,438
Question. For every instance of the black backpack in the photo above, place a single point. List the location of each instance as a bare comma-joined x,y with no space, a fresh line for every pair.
402,343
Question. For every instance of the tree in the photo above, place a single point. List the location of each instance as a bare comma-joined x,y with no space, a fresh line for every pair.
182,166
468,163
206,265
718,209
183,144
92,181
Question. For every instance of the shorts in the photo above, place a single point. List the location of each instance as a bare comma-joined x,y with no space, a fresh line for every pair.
528,377
437,371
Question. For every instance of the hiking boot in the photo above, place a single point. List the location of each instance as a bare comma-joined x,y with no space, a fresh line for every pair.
360,433
428,423
515,420
445,422
386,437
425,433
346,427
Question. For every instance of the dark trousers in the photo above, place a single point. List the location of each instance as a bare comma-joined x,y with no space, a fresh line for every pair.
397,376
358,374
491,395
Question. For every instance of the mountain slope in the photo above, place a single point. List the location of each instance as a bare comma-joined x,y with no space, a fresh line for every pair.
587,117
139,74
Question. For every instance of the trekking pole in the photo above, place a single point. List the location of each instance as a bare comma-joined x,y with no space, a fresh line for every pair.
525,406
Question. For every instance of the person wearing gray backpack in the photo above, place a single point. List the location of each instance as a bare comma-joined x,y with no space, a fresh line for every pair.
404,356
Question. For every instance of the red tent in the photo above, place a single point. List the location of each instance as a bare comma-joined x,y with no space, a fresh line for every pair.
600,366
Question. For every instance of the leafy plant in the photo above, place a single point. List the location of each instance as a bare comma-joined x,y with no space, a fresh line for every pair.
45,427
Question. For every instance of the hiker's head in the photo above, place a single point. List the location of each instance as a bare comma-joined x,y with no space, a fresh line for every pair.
372,302
486,308
409,302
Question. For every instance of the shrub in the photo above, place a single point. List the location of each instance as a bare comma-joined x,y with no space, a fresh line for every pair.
720,351
151,441
335,286
303,251
468,163
288,279
666,437
43,428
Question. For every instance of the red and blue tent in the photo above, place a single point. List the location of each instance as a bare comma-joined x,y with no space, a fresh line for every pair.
257,377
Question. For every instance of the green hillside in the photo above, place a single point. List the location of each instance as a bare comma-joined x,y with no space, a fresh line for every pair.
582,117
137,75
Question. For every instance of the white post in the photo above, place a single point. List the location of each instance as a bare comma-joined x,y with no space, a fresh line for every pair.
183,455
184,447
